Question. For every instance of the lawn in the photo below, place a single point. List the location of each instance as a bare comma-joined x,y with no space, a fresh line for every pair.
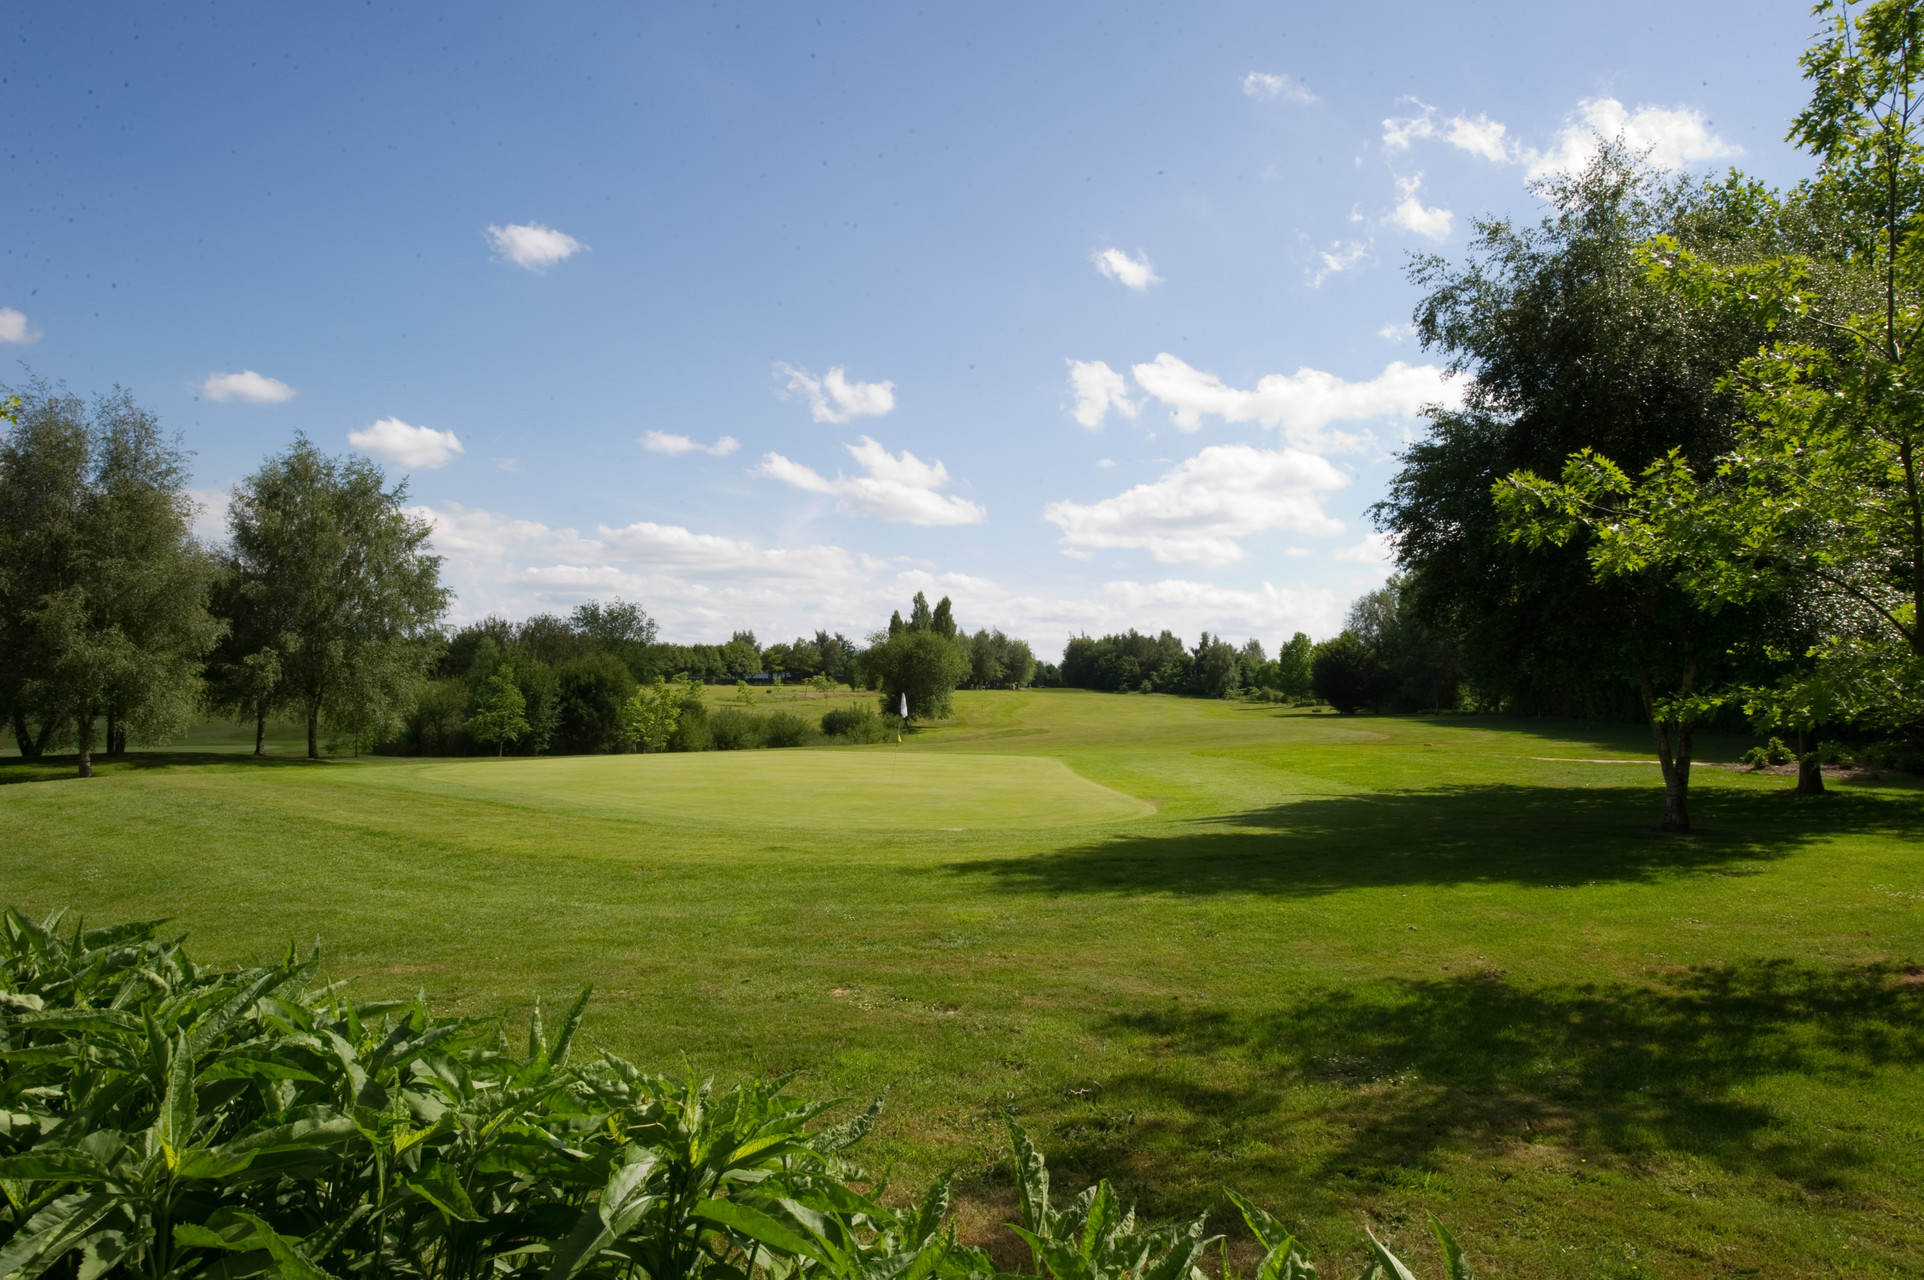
1357,968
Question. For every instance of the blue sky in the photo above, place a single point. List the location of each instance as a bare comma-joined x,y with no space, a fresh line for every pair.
1087,316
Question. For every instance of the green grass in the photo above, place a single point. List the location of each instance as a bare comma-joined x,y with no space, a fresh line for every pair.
1358,968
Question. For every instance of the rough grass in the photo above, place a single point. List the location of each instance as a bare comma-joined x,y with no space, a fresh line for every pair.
1359,968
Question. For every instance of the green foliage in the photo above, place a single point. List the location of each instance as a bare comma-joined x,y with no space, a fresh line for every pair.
436,725
649,719
167,1120
1569,345
921,659
1771,753
996,661
1416,661
326,556
103,591
1345,674
855,724
786,729
501,716
732,729
590,694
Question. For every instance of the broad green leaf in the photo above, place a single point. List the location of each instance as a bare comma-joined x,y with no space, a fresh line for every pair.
52,1233
1391,1264
756,1225
1456,1266
441,1188
174,1126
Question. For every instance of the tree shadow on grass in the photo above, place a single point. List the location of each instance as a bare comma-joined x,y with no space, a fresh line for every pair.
1399,1074
58,768
1486,833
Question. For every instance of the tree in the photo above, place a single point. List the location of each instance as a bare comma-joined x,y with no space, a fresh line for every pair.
1417,661
591,693
614,624
1293,667
915,660
1217,669
1344,673
1818,505
649,719
323,547
1571,345
501,717
103,591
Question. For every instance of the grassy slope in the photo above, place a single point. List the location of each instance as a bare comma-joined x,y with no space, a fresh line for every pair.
1358,968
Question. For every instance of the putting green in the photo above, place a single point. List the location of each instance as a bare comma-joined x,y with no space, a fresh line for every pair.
847,788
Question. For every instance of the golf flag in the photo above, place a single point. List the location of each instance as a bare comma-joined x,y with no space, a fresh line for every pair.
905,706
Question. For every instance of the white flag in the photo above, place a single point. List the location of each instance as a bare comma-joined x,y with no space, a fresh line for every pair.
905,706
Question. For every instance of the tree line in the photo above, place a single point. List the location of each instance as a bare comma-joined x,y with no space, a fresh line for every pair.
324,603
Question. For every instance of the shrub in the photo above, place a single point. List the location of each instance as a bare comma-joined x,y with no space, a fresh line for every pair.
733,729
786,729
858,723
1772,752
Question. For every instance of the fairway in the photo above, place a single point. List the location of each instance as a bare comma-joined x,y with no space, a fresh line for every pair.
855,788
1359,968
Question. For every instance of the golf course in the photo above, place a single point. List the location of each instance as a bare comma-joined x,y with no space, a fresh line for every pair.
1361,969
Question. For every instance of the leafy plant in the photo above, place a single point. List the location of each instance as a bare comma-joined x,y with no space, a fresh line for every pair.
1772,752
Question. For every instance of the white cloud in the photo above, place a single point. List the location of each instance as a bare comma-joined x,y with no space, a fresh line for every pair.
1397,333
1263,84
254,388
1196,512
533,246
396,441
834,397
1342,255
1412,215
1098,389
902,489
1479,135
1674,137
1137,273
703,586
507,464
1302,403
676,445
1375,548
14,327
1104,464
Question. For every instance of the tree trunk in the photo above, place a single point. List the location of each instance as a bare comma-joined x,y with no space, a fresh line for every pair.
313,733
1810,774
29,745
113,724
260,733
1676,765
84,734
501,749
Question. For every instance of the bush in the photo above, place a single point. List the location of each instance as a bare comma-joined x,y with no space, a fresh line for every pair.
857,724
1772,752
732,729
169,1119
786,729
